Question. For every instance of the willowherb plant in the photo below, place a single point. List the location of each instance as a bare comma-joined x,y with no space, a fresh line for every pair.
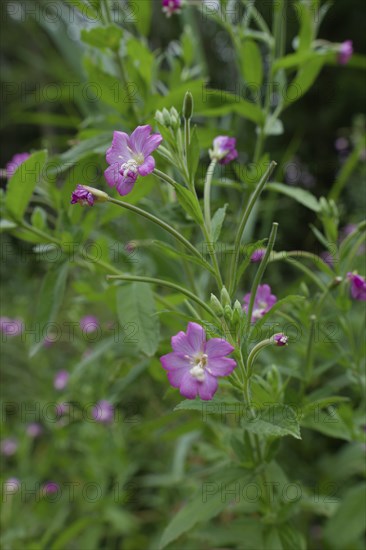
210,279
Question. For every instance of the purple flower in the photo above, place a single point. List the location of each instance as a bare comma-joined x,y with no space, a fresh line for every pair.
195,363
223,149
61,379
345,52
11,327
258,255
82,196
16,161
8,446
130,157
358,286
280,339
328,258
50,488
11,485
263,302
89,323
34,429
103,411
171,6
61,409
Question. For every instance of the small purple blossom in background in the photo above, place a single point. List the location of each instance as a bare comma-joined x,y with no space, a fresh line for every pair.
61,409
223,149
328,258
358,286
258,255
345,52
89,323
34,429
11,485
61,379
195,363
9,446
11,327
280,339
130,157
49,341
50,488
16,161
82,196
103,411
171,6
263,302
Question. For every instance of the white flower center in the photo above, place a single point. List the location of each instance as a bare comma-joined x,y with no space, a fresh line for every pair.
198,370
128,167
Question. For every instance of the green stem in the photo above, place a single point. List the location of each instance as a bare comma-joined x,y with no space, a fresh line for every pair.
164,226
252,200
168,284
260,272
207,193
40,233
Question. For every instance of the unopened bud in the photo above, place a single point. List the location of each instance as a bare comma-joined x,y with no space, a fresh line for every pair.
216,306
228,313
225,297
159,117
166,117
188,105
280,339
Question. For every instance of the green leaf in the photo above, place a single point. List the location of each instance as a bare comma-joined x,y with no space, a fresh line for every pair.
50,300
39,218
136,307
304,79
273,127
274,421
142,59
6,225
348,523
219,102
217,221
327,422
109,90
300,195
251,63
189,203
217,405
103,37
306,17
143,16
84,9
208,502
22,184
175,253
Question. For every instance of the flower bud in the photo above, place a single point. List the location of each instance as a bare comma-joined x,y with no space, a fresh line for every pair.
237,313
188,105
225,297
159,117
174,118
280,339
228,313
166,117
216,306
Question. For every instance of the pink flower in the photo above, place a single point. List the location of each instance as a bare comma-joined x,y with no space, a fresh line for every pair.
223,149
258,255
50,488
171,6
103,412
195,363
9,446
34,429
61,379
61,409
130,157
345,52
280,339
82,196
89,323
358,286
263,302
16,161
11,327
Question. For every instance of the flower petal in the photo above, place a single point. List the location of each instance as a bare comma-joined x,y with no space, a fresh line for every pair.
217,347
196,336
189,386
173,361
181,344
147,167
138,138
151,144
125,186
221,366
112,175
208,387
118,152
